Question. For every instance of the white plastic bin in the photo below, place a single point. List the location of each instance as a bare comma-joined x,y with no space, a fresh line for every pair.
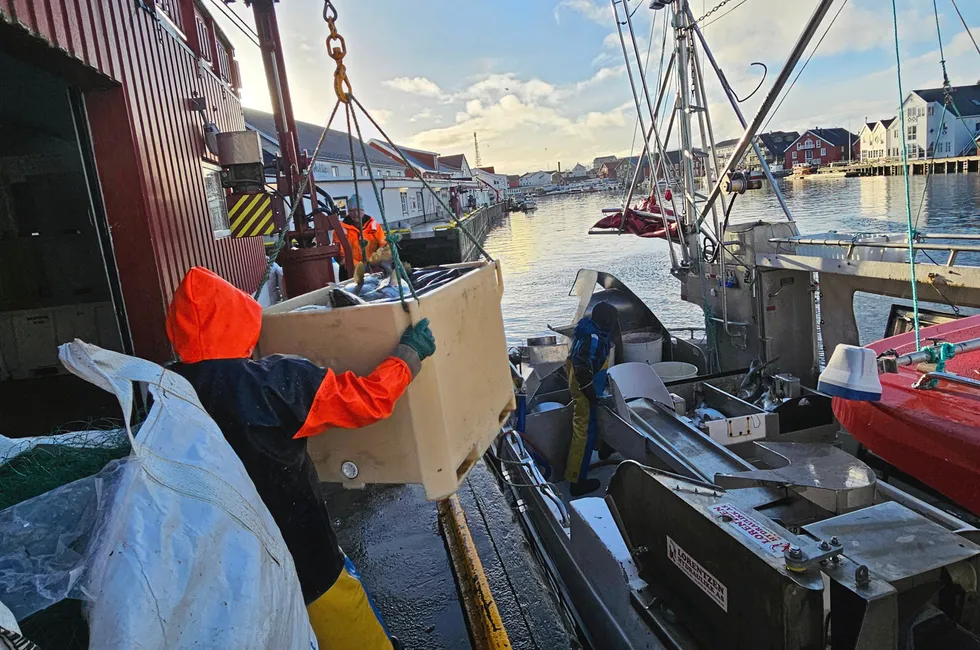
450,413
674,370
642,347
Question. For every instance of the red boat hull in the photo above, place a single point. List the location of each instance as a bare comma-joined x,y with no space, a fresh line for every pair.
933,435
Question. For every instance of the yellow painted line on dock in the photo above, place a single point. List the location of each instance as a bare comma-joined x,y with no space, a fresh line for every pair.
486,626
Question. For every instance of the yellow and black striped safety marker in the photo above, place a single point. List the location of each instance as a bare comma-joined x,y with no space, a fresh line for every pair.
250,214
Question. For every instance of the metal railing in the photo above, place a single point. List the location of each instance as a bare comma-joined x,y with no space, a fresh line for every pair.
923,242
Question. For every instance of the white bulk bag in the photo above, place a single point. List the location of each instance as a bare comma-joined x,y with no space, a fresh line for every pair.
187,555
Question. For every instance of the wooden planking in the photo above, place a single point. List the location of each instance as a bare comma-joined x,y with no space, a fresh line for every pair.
160,222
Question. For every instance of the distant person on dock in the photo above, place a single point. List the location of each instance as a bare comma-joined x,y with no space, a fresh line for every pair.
455,204
587,362
374,234
266,410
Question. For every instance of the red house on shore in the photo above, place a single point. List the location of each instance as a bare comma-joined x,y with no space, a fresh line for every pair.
822,147
108,193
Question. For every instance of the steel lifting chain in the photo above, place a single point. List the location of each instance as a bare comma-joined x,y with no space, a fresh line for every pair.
713,10
337,49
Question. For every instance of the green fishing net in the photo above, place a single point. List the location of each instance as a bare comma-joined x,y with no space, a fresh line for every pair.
31,467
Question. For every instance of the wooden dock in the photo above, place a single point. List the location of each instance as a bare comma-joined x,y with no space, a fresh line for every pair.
442,243
917,167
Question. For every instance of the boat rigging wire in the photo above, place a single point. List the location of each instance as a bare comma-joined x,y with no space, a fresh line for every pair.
942,54
636,96
729,93
389,237
905,167
297,201
947,100
765,106
476,243
636,125
716,8
238,22
635,9
361,242
965,26
803,67
706,25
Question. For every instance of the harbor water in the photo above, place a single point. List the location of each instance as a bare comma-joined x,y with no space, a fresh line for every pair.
541,251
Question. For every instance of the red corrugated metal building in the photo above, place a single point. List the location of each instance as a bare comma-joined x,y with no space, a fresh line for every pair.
141,202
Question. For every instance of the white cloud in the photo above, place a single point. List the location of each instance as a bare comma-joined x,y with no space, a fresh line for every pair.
381,115
599,12
601,75
414,85
425,114
496,85
849,99
524,135
741,37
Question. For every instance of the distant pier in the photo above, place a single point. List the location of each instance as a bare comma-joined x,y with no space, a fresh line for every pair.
434,243
917,167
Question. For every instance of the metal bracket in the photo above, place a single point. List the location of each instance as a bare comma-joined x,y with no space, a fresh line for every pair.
801,558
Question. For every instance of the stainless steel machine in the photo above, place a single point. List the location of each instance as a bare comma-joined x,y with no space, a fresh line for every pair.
780,540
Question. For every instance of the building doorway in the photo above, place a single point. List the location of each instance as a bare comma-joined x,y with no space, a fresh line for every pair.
57,278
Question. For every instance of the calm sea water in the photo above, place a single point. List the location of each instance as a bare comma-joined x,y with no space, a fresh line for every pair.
543,250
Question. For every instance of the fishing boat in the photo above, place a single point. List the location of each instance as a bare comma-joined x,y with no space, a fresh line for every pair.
741,505
803,169
927,422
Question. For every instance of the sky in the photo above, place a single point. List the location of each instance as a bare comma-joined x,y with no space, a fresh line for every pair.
543,82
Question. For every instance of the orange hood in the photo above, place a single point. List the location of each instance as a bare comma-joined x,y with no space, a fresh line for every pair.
211,319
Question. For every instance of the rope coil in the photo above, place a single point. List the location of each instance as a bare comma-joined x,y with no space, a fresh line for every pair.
939,355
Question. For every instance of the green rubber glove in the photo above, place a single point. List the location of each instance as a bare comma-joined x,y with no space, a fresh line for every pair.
419,338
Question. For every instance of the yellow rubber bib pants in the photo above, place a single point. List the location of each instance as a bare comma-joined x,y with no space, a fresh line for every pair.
344,618
584,430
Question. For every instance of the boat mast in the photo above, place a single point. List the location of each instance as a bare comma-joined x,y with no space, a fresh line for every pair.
682,52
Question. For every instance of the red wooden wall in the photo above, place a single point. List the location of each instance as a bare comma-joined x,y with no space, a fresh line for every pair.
148,147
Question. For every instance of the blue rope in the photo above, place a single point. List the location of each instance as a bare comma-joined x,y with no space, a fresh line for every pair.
908,197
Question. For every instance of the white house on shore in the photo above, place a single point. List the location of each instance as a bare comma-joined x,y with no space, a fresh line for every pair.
924,113
576,173
536,179
598,161
455,165
879,140
496,183
333,160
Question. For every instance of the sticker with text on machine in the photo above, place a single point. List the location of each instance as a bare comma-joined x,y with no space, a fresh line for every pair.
700,576
757,533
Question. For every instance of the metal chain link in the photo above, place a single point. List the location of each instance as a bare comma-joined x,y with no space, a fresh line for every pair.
712,10
337,50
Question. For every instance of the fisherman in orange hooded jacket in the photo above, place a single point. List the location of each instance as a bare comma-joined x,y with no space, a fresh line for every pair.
266,410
